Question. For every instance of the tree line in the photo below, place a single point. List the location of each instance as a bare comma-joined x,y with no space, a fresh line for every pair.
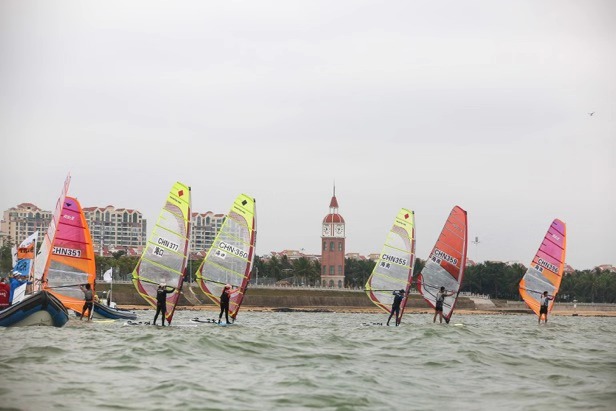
496,279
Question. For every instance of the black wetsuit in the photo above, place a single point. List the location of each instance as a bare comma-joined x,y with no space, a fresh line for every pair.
395,307
161,303
224,305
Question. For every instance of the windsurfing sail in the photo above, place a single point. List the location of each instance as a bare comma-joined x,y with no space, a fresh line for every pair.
230,259
445,266
394,269
165,255
45,250
71,257
546,269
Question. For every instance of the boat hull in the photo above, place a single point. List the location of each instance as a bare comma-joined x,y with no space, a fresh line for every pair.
40,309
102,311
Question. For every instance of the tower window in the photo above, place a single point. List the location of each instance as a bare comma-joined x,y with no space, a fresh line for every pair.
340,246
324,270
324,245
339,270
331,270
331,246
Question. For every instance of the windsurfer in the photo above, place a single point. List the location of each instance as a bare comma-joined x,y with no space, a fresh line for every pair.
545,302
395,307
440,299
161,301
224,302
88,297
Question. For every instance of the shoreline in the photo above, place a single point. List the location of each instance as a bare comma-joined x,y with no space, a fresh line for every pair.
375,310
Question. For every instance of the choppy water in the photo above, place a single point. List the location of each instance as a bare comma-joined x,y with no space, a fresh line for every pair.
289,361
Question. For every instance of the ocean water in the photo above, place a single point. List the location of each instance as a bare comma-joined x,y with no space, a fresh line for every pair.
325,361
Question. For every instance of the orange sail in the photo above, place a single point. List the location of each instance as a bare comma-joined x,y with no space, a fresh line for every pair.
445,266
71,257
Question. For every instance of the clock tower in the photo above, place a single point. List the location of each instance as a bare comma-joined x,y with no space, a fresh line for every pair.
333,247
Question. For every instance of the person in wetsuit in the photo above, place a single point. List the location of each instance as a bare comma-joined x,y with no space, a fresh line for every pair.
545,303
395,306
161,301
440,299
224,302
88,297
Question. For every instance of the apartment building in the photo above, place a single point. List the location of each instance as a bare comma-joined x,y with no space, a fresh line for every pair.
203,230
116,227
21,221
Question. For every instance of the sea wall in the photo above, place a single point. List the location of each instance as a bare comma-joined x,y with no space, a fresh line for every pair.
125,294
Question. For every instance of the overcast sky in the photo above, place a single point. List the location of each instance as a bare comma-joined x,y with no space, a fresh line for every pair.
416,104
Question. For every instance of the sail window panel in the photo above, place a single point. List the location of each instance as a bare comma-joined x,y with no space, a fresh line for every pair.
237,219
535,280
392,277
397,238
220,274
171,240
171,218
394,256
62,274
226,262
156,273
384,297
435,277
166,248
231,244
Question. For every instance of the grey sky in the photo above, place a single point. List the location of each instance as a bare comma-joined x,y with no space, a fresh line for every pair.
416,104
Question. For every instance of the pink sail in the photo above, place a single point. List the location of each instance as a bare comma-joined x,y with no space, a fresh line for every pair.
546,270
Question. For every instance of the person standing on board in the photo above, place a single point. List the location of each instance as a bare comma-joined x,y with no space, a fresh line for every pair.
88,297
395,306
161,301
224,302
440,299
545,302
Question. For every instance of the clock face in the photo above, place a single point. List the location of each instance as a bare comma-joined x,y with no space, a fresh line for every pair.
327,230
339,229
